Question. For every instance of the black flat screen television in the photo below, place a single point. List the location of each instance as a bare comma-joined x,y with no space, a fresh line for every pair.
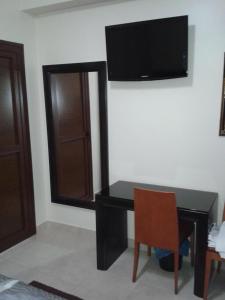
148,50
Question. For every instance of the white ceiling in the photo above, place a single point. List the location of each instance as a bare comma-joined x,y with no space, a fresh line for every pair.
40,7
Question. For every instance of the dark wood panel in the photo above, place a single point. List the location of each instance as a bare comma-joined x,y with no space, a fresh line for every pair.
11,212
111,234
67,100
71,170
17,217
7,124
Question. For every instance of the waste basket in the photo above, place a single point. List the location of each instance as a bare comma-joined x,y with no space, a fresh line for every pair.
166,258
167,262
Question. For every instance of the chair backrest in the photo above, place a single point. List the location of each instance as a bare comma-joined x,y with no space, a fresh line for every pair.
156,221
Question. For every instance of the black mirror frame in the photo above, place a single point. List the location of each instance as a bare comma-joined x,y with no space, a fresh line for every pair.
100,68
222,115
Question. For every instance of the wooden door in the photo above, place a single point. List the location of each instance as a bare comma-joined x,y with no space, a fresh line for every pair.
17,218
71,168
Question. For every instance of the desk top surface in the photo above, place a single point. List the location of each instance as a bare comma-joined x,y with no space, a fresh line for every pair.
186,199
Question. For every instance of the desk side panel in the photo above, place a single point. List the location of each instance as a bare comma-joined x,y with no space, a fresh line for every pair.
111,233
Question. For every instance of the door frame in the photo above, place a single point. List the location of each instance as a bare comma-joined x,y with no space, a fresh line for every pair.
100,68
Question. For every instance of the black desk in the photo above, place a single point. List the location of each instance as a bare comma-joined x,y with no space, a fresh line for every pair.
111,222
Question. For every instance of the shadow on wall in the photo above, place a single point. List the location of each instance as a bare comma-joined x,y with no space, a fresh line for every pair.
70,6
167,83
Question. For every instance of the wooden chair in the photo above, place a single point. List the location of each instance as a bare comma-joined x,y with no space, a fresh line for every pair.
211,255
156,225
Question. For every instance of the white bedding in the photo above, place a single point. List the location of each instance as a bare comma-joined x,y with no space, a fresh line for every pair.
11,289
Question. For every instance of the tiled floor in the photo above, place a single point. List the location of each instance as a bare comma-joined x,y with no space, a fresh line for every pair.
65,257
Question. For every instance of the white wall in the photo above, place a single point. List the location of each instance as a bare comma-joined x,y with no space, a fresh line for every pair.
18,27
163,132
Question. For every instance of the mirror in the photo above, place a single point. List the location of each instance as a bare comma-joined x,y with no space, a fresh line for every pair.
69,118
222,117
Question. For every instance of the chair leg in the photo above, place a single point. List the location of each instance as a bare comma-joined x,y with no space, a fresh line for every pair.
219,266
207,275
136,257
176,266
149,251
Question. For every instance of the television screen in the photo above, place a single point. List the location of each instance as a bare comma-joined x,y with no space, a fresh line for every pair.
148,50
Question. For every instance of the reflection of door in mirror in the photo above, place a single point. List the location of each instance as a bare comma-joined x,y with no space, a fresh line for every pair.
72,144
222,117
